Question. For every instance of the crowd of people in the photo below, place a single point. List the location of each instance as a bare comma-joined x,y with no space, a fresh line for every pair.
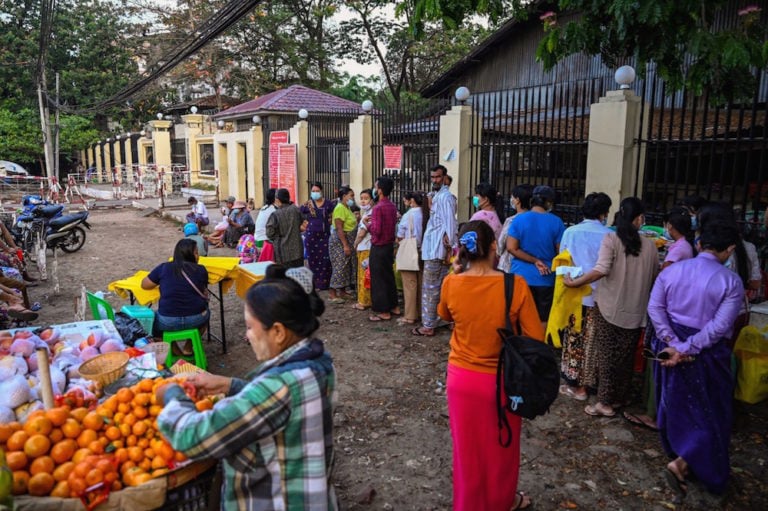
600,292
15,305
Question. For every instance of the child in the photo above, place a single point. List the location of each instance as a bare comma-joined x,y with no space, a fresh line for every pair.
246,249
363,247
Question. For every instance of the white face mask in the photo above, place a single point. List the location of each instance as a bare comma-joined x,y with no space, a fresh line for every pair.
512,204
366,208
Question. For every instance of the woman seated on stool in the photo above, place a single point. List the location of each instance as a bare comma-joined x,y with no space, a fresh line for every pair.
183,291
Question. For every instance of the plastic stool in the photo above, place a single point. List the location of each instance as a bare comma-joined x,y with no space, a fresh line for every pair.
94,301
192,334
143,314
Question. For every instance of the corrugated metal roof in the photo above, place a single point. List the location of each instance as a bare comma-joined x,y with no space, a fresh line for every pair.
292,99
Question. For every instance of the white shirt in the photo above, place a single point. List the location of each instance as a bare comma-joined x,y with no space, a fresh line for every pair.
199,209
365,243
410,225
583,242
260,232
442,222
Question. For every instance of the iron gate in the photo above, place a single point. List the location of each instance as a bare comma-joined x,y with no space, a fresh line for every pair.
328,148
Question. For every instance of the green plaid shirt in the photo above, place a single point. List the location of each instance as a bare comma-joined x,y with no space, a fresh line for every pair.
274,432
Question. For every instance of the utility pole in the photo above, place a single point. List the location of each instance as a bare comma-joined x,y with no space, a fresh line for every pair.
46,126
56,140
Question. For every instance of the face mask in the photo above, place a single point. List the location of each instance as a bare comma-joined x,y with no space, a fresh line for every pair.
666,235
366,207
373,194
604,221
316,195
512,204
476,202
694,223
351,202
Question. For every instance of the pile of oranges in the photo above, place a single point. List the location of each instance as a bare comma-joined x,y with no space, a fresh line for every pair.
61,452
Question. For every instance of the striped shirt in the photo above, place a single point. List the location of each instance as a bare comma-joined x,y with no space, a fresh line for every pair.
442,222
274,432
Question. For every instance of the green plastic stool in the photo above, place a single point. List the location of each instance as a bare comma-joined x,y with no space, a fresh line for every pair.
94,301
192,334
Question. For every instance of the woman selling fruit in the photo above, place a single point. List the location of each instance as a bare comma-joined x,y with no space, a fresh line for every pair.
273,431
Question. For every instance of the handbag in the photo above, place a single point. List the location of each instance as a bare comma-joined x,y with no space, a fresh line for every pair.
407,258
527,374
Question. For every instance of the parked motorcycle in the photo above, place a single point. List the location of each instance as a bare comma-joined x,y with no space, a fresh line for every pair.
40,222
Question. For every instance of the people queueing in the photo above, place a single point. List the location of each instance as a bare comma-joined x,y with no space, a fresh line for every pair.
240,223
363,249
382,224
318,212
192,232
693,307
266,250
284,231
341,246
583,242
436,249
485,474
412,225
520,202
626,265
216,239
489,206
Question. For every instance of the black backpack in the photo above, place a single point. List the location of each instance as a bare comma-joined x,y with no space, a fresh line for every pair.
527,370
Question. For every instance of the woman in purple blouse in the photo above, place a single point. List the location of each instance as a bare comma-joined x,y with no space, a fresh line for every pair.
317,212
693,306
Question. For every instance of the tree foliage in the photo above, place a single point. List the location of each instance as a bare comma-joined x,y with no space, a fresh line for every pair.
684,38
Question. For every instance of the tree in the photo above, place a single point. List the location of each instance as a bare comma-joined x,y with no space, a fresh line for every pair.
680,36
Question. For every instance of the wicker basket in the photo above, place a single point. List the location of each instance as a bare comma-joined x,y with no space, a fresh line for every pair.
105,368
160,349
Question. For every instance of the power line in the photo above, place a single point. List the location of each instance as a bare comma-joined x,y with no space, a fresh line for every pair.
197,39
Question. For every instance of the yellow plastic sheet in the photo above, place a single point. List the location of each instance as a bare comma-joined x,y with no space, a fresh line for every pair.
751,352
566,301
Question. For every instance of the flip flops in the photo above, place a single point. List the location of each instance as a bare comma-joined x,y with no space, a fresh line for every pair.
635,420
596,410
377,317
676,485
567,390
35,307
359,307
520,505
336,300
418,332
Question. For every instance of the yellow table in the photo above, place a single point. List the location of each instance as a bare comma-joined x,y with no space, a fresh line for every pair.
248,275
223,271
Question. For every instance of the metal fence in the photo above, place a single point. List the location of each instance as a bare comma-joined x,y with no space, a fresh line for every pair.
269,125
179,151
535,135
416,131
328,150
695,148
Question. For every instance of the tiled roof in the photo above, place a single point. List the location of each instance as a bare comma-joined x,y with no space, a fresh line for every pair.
292,99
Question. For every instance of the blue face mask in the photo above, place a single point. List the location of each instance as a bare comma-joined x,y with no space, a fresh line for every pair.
694,223
666,235
351,202
604,221
476,202
373,194
316,195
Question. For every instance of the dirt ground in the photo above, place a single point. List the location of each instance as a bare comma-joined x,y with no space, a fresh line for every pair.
393,446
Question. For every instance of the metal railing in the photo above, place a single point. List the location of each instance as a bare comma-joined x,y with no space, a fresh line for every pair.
328,151
415,131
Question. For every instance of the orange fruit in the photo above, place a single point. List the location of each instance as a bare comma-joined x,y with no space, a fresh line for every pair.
141,478
94,476
82,469
104,441
124,395
116,486
17,440
79,414
126,466
42,464
58,416
56,435
145,385
63,451
77,485
118,444
125,430
93,421
135,454
41,484
81,454
149,453
118,418
158,462
113,433
16,460
159,472
111,403
6,430
140,412
155,410
86,437
123,408
37,445
61,473
110,477
121,455
96,447
165,451
61,490
20,482
146,464
131,441
204,404
71,428
142,399
130,419
104,412
143,443
105,465
139,429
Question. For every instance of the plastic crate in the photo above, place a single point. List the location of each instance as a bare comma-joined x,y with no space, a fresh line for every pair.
203,493
145,315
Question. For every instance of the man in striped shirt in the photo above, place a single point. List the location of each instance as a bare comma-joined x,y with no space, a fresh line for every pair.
436,248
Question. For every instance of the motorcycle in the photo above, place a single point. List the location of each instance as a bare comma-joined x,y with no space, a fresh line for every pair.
42,224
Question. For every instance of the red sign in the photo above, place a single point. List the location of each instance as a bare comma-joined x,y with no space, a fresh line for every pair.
393,157
286,168
275,139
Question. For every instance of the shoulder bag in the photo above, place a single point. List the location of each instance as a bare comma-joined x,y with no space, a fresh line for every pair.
407,258
204,296
527,374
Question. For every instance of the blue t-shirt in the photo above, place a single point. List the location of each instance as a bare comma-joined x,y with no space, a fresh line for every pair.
538,234
177,297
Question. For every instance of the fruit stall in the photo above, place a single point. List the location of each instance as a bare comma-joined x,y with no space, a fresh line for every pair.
78,423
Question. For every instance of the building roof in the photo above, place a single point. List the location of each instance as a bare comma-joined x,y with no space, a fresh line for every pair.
204,104
292,99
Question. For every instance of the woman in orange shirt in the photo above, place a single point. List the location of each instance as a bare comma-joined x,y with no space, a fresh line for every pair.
484,473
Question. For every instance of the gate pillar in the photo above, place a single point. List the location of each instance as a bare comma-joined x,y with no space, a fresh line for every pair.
360,153
455,152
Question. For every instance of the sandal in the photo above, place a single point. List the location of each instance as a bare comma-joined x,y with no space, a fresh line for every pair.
598,410
636,420
359,307
35,307
419,332
403,321
567,390
679,486
336,300
520,505
378,317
